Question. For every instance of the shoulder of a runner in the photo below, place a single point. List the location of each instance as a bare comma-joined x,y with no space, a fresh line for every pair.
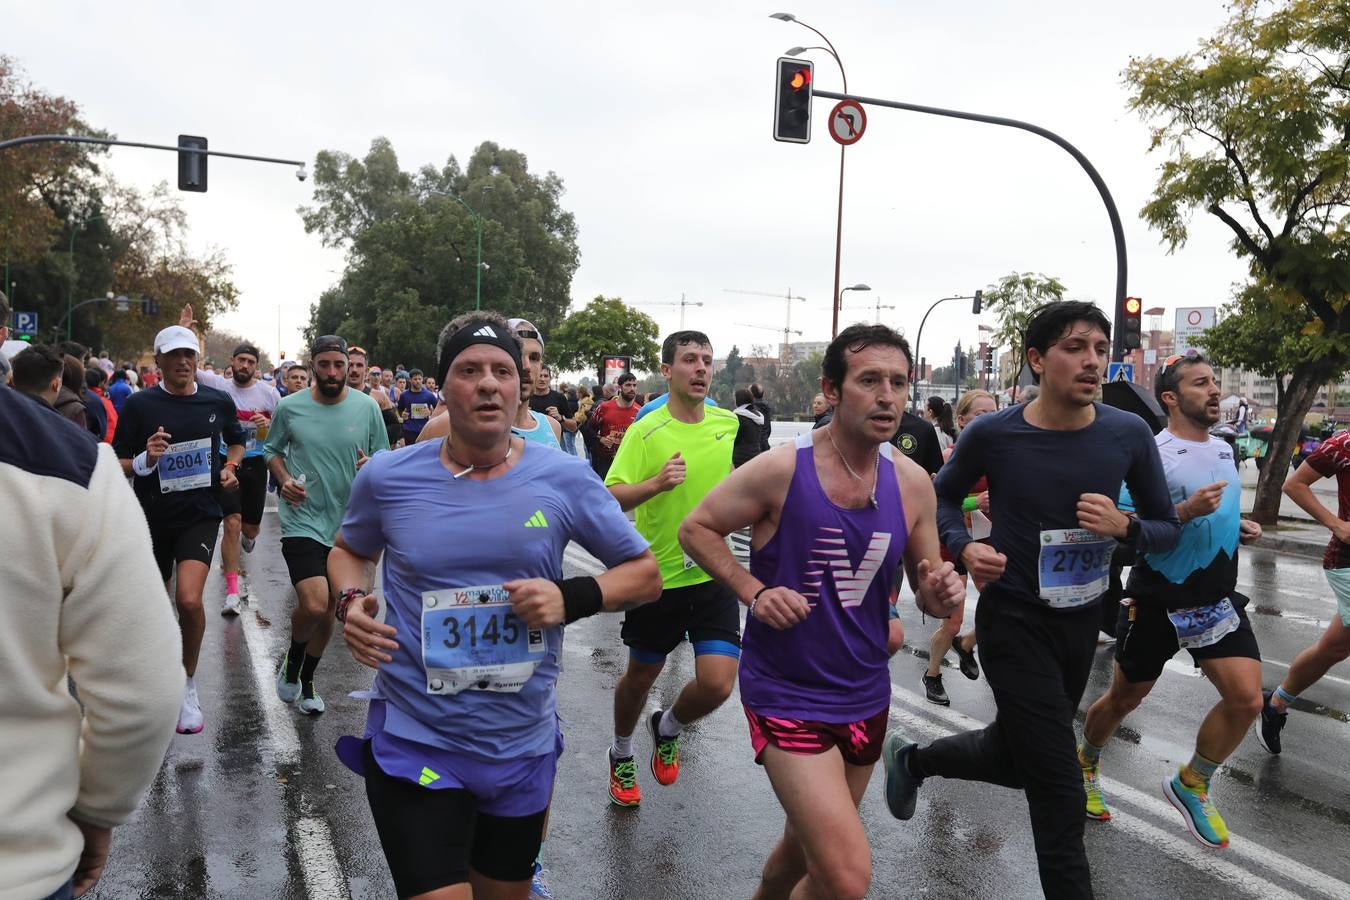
362,523
1333,456
211,379
592,514
1159,526
630,464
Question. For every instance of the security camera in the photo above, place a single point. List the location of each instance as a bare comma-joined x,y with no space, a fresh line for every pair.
301,174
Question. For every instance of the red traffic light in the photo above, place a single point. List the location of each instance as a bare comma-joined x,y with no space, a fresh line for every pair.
800,79
1133,305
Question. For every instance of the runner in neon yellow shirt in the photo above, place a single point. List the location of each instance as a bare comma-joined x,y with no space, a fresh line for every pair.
666,464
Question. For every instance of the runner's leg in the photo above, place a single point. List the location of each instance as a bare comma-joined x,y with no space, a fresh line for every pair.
941,641
630,694
311,609
1315,661
191,617
824,836
229,548
1111,708
1238,681
714,677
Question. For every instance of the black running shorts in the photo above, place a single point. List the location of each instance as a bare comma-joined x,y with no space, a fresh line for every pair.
248,501
305,558
1146,640
175,544
707,613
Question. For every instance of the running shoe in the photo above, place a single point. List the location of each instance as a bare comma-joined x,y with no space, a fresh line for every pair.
288,691
932,686
231,605
1202,819
539,884
623,787
247,543
902,787
665,752
1269,724
1096,803
969,667
310,702
190,719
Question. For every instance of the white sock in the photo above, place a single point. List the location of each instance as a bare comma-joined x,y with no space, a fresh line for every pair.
669,726
623,747
191,685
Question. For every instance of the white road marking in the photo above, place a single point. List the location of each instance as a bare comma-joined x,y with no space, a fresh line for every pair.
1176,844
1328,677
1180,668
318,860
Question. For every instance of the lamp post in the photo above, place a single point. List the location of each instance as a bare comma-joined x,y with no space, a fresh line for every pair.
918,340
70,288
839,217
839,303
478,230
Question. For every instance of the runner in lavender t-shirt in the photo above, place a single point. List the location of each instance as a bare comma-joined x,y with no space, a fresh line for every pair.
832,516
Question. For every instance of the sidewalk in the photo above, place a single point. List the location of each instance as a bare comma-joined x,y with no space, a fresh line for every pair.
1296,533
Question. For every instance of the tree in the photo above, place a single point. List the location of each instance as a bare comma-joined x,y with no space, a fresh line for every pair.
218,346
722,387
1013,300
606,326
412,249
1256,125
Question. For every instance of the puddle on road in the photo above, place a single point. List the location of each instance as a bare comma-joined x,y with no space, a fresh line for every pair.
1286,614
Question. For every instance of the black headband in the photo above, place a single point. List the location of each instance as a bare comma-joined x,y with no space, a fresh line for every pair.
477,331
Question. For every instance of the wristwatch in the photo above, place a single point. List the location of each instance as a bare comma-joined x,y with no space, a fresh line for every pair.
1132,531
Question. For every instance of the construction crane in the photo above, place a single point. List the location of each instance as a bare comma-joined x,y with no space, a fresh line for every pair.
787,320
681,303
783,354
880,306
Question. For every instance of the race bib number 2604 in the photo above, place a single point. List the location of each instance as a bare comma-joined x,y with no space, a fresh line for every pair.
185,466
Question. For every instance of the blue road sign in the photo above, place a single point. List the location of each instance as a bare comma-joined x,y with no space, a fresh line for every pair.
1117,371
26,323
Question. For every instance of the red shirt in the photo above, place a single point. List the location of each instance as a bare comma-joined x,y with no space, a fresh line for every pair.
609,418
1333,458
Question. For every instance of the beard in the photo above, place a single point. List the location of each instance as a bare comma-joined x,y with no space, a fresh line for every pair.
241,378
331,387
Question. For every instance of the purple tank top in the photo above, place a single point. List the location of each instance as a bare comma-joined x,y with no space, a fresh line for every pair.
831,667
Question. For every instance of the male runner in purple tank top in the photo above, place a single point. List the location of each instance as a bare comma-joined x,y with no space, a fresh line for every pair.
832,515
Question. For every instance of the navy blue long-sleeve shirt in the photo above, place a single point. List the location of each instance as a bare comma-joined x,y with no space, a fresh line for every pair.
1036,477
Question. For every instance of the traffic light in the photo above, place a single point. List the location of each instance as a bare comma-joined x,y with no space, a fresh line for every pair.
978,304
191,166
792,101
989,358
1131,327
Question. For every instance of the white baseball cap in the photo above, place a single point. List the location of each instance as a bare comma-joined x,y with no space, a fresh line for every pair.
176,337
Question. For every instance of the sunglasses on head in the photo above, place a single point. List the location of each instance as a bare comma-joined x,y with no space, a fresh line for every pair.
527,333
1175,358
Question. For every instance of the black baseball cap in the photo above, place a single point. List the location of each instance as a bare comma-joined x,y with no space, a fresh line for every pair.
327,343
248,349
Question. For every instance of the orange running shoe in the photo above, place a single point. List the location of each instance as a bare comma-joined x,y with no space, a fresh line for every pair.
623,788
665,752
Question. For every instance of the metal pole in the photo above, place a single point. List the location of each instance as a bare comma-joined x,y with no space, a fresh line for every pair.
478,281
918,340
1117,231
108,142
838,245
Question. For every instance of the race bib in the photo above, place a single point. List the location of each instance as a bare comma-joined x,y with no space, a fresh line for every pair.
185,466
1075,566
472,641
419,411
1202,626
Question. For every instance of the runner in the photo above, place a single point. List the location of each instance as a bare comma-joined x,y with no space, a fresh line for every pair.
1186,597
461,745
1055,467
320,437
1332,458
297,379
550,401
814,675
610,420
357,380
415,406
168,438
665,466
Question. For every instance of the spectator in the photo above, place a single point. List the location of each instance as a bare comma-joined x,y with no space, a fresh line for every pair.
750,430
939,412
91,603
120,389
820,408
37,373
105,364
68,402
95,379
758,404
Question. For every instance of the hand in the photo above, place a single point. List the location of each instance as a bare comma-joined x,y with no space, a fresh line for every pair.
93,857
536,601
185,317
293,492
259,420
983,562
941,591
361,458
1204,501
671,474
1098,514
552,411
370,641
781,608
156,445
1249,531
982,502
228,480
1341,530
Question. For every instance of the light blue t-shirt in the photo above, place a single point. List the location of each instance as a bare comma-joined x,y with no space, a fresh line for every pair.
658,402
439,533
541,434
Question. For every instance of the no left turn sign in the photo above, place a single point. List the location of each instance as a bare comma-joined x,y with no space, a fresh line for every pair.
847,122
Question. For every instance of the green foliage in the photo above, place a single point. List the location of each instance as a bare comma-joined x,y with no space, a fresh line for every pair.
605,326
722,387
412,246
1012,300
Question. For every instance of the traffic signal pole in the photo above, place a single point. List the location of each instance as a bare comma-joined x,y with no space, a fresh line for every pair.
1118,232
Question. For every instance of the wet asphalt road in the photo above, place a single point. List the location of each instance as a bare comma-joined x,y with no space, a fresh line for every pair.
257,805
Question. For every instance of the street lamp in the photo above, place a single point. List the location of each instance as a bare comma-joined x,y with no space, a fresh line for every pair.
840,305
919,339
839,217
478,230
70,288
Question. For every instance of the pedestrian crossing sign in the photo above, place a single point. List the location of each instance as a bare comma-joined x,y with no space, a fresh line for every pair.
1120,371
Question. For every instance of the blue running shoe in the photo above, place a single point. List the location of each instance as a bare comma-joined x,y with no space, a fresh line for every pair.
1202,819
539,884
902,788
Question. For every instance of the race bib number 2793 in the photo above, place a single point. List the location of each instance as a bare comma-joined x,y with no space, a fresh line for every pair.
1075,566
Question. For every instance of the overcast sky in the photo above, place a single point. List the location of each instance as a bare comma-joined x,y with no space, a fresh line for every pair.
658,119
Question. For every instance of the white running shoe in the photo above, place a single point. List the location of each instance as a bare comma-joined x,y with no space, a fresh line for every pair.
311,705
288,691
231,605
247,543
190,719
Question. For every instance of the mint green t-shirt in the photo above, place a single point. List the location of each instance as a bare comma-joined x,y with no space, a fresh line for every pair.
706,451
320,441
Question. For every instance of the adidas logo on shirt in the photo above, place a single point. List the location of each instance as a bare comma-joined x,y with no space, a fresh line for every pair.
537,520
485,331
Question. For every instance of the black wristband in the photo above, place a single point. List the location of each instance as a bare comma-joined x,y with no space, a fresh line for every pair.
582,597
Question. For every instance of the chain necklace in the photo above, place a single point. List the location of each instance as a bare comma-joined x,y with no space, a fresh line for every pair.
468,468
876,474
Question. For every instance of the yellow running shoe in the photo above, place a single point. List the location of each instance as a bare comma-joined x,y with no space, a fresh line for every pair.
1201,817
1092,789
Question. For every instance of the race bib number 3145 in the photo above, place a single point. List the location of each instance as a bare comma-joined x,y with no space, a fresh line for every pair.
1075,566
471,640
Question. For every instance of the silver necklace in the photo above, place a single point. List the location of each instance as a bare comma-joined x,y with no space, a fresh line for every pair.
876,474
450,453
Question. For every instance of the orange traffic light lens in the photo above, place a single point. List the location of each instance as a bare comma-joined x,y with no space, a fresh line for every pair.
800,79
1133,305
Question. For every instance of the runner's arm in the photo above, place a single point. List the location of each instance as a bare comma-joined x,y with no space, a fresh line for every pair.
349,569
1298,487
953,483
631,583
1159,527
438,426
919,500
